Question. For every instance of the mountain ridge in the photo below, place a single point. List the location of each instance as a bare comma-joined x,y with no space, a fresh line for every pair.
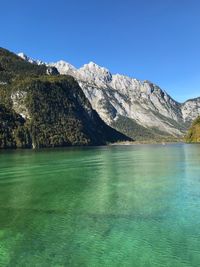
115,96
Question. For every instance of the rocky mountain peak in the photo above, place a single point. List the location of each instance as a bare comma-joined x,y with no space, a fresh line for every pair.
23,56
64,67
94,73
30,60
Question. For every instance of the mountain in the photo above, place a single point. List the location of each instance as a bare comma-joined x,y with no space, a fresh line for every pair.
40,108
139,109
193,135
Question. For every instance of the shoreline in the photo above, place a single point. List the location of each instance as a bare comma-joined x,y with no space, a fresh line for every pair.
146,142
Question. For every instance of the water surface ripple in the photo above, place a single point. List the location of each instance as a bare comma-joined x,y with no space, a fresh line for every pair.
108,206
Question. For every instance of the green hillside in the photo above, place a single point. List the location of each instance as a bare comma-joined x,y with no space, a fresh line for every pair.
193,135
38,110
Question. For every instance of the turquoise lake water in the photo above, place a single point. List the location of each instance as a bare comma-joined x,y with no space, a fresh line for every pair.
109,206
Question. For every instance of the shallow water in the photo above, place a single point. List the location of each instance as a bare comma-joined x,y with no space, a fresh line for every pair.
108,206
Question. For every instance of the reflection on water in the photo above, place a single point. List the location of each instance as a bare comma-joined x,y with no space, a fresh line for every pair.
108,206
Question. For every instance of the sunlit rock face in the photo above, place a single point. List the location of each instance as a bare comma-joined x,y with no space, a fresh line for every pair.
142,101
191,109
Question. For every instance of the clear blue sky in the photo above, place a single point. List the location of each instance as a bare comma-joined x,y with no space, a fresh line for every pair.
157,40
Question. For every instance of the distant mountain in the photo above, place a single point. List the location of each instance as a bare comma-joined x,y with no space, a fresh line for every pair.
139,109
40,108
193,135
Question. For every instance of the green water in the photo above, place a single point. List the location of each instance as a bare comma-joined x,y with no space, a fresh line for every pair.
108,206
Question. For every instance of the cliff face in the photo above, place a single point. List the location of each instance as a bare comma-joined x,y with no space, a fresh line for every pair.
39,108
190,110
143,106
193,135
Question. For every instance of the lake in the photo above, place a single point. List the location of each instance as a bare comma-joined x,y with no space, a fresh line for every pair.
109,206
